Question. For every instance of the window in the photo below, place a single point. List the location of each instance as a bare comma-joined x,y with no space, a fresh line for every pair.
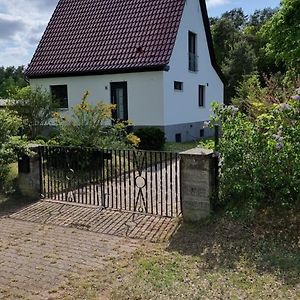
178,86
201,95
178,137
201,133
60,94
192,51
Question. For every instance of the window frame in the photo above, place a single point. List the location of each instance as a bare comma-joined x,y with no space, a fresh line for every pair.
63,102
201,95
192,51
176,83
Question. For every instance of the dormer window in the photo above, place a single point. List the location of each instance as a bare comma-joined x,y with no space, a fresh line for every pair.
193,66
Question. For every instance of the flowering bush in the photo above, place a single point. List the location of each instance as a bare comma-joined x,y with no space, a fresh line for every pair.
90,126
260,157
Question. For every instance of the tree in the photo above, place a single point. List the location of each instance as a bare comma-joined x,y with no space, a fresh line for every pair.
35,107
282,35
11,78
237,17
260,17
238,47
241,60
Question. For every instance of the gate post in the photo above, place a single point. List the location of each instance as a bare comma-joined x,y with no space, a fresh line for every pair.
197,183
29,178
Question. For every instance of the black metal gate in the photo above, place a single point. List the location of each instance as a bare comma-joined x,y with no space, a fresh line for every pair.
129,180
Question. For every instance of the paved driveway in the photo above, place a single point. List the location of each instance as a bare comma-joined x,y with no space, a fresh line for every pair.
46,242
35,259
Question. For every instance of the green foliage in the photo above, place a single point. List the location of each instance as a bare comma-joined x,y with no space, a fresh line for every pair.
10,144
238,46
10,79
282,35
89,126
260,158
152,138
240,61
35,107
255,98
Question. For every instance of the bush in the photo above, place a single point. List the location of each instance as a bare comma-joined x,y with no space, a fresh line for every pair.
35,107
88,127
152,138
10,144
260,157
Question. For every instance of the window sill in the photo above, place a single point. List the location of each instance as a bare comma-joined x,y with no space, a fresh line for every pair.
63,109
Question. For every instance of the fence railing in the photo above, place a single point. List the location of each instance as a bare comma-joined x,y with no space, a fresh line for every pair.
130,180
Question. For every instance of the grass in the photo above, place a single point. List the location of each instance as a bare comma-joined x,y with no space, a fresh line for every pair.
217,259
180,147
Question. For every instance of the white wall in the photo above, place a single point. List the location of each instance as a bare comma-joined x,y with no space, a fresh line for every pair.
145,93
182,107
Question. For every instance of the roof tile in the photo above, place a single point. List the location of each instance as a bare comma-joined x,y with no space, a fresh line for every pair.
107,35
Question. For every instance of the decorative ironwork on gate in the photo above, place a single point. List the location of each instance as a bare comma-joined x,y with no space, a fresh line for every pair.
130,180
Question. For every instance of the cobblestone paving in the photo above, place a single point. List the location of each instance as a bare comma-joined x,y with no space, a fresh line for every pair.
35,259
124,224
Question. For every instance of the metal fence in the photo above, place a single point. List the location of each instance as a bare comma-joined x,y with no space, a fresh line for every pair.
129,180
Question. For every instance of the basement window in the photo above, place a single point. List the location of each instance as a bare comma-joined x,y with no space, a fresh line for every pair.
60,94
178,137
178,86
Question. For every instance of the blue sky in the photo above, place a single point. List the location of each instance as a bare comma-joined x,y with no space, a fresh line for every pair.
22,23
217,7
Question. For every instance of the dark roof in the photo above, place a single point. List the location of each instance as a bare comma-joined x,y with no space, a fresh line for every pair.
105,35
109,36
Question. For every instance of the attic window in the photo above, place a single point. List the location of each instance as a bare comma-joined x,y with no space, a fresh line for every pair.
193,58
178,86
60,94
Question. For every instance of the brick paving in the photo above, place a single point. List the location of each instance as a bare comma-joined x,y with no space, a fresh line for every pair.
90,218
35,259
46,242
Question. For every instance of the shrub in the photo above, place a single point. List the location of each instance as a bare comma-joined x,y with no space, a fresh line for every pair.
89,126
152,138
10,144
35,107
260,157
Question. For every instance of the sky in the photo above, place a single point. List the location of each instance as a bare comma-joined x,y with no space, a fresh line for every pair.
22,23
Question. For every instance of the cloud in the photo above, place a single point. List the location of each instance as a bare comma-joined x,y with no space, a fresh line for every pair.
214,3
9,27
22,23
16,56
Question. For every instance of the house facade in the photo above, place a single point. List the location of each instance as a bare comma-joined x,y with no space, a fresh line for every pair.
154,59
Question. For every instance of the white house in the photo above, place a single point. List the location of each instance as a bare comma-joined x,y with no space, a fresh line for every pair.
153,58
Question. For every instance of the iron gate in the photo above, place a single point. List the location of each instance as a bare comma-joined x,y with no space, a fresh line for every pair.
129,180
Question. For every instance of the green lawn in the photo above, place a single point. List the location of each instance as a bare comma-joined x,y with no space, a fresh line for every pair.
218,259
179,147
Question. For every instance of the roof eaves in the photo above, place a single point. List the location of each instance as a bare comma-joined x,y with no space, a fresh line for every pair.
163,67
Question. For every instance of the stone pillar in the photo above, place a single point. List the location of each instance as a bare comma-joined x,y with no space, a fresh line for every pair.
29,178
197,177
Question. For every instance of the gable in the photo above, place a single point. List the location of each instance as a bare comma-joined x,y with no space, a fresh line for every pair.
107,36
